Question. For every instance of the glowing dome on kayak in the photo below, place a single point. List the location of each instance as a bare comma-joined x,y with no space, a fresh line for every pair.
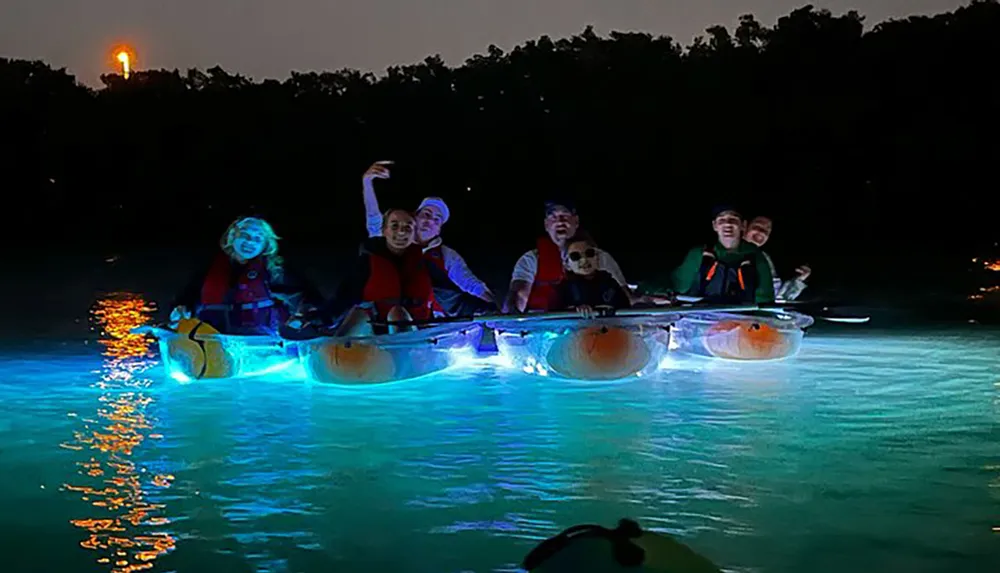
358,361
740,337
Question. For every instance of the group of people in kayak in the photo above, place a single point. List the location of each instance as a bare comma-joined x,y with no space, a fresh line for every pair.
404,274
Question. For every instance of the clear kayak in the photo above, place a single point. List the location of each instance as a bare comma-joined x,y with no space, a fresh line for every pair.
737,336
630,343
389,357
196,351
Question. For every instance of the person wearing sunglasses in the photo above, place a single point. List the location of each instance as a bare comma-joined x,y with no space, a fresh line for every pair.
534,284
587,287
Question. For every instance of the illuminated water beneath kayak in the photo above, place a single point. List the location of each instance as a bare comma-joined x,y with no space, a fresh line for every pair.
868,452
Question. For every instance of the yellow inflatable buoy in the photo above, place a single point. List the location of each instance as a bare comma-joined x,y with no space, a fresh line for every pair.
747,340
598,353
351,363
627,548
197,357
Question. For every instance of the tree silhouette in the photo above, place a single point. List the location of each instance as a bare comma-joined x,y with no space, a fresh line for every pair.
852,139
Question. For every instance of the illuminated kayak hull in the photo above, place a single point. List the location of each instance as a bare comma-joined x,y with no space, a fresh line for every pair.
743,337
194,352
360,361
610,348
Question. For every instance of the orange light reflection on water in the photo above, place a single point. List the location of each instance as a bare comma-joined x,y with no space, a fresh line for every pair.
123,529
984,291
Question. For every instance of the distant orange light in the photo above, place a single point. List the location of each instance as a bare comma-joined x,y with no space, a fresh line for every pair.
124,59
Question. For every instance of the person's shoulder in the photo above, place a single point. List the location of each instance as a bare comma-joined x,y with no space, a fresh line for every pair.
701,249
762,259
750,249
606,255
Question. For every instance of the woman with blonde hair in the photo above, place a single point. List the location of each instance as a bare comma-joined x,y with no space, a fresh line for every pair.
246,289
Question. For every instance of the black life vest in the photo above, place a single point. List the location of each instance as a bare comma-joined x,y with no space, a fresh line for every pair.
727,283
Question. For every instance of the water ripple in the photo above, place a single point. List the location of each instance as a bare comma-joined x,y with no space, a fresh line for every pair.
865,453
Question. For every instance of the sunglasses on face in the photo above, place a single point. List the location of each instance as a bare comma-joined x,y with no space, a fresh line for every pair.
577,255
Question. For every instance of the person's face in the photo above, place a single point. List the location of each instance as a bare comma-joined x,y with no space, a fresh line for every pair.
561,224
758,231
429,221
398,230
728,225
248,243
581,258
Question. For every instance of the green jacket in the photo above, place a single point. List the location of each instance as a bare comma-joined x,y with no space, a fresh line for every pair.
685,278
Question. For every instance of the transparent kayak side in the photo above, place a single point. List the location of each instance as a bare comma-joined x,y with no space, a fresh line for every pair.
390,357
574,348
189,357
737,336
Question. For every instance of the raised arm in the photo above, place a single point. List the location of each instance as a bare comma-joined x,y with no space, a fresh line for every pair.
373,215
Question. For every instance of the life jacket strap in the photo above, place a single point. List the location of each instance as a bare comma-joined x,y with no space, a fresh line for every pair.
246,306
711,271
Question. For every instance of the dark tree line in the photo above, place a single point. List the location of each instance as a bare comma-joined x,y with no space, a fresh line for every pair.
857,141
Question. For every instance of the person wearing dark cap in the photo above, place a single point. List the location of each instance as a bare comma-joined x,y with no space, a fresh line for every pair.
731,271
534,284
458,291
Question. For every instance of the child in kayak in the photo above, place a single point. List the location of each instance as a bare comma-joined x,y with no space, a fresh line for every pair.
534,284
459,292
246,289
587,287
391,283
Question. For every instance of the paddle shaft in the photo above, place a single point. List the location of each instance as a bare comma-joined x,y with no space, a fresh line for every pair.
569,315
799,307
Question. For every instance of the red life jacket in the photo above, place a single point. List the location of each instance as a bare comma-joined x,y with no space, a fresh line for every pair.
407,285
235,303
550,272
251,286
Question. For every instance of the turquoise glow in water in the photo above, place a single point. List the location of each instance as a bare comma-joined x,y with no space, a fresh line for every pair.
868,452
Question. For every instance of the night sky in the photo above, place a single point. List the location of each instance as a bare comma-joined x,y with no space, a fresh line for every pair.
270,38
